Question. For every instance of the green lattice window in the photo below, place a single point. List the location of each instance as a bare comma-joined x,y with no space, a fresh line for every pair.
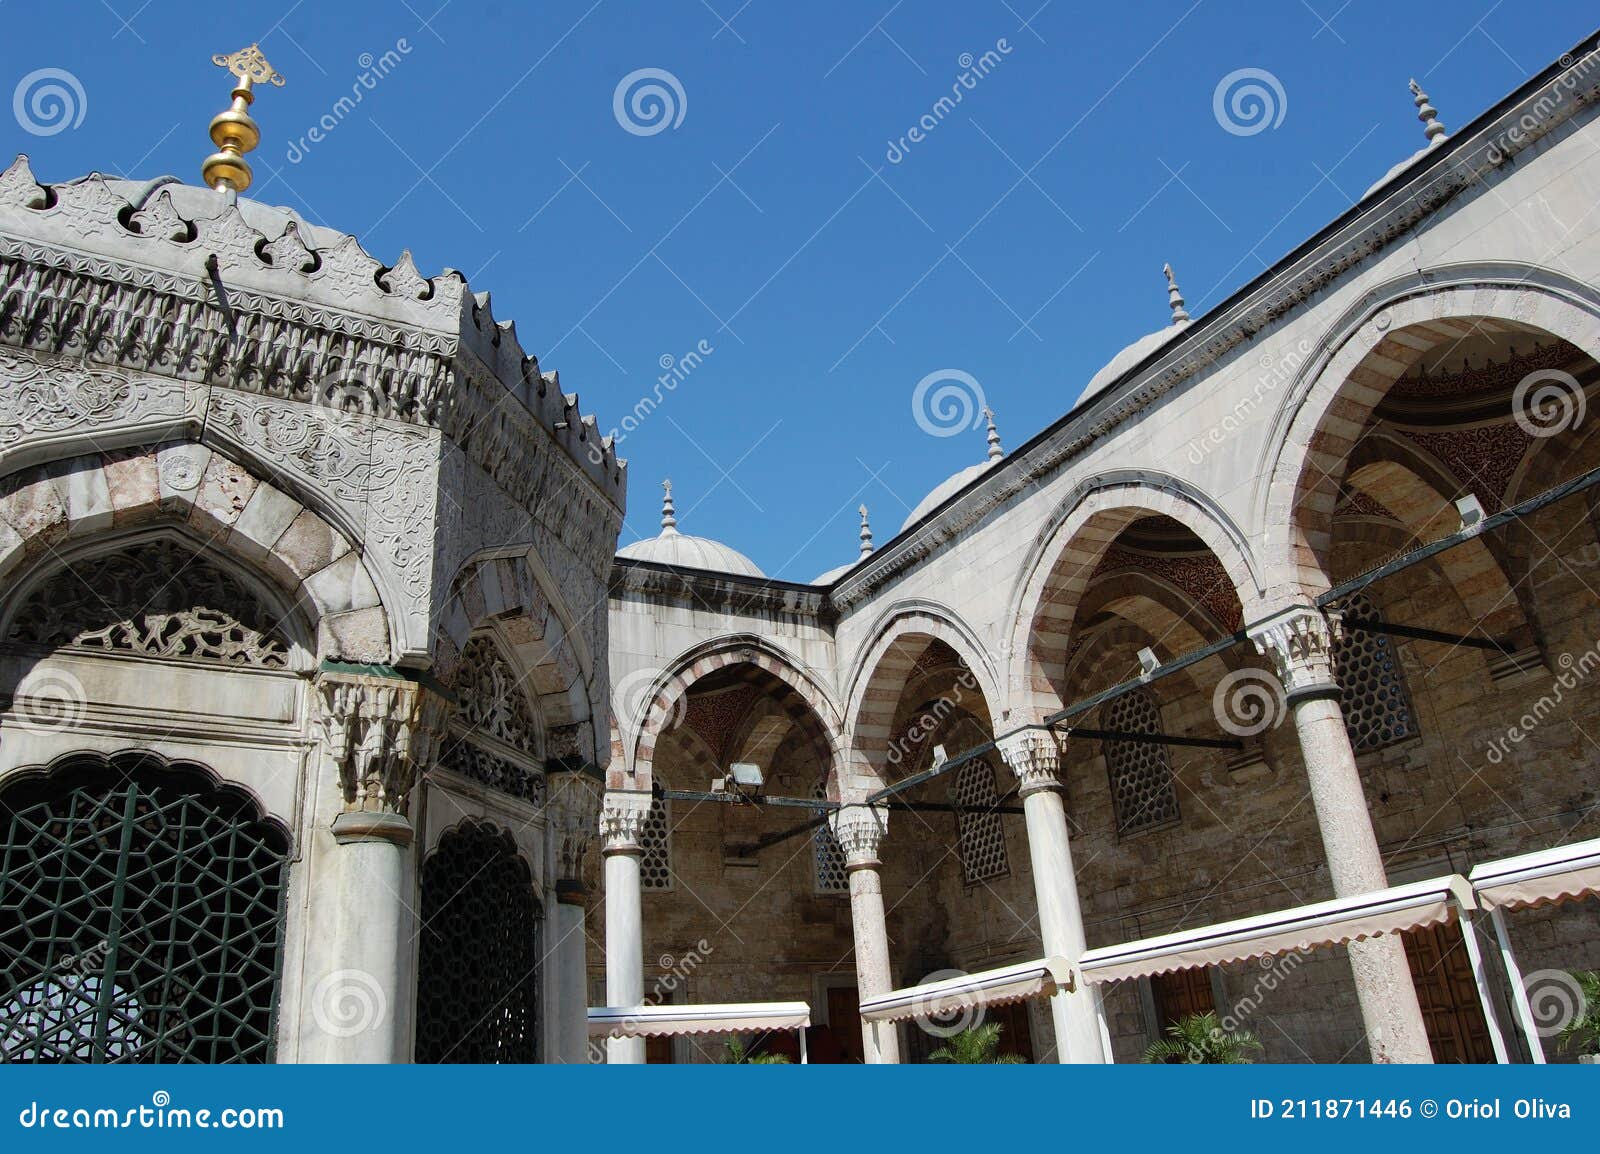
140,916
478,980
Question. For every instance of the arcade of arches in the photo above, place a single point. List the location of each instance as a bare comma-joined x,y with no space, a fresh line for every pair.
335,727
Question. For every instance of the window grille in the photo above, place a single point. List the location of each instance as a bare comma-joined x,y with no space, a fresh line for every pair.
827,855
655,839
140,917
1143,793
1377,706
478,966
981,834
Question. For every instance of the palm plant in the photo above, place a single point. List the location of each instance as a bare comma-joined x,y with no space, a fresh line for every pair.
737,1054
978,1046
1199,1039
1583,1028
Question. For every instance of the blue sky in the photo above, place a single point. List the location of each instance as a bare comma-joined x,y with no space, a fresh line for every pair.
1020,241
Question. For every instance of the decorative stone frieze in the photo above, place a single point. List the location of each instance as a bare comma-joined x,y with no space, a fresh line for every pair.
382,733
1299,642
573,811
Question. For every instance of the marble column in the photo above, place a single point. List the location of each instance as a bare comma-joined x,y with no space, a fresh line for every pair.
860,830
1299,642
622,816
1034,756
379,733
572,809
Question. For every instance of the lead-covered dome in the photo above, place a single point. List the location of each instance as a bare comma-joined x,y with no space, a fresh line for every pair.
682,551
957,481
1145,346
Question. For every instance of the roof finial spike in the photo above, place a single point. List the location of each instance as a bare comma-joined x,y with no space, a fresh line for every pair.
1428,114
866,532
1174,297
669,519
995,451
233,130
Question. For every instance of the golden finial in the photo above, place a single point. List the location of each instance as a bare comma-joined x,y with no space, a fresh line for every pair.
234,131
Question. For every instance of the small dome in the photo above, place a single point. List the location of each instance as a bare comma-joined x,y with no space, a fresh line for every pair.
833,574
839,571
943,491
1130,356
682,551
1146,345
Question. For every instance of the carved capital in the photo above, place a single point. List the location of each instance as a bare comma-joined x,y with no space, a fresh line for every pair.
382,733
573,812
1299,642
1034,755
860,829
622,817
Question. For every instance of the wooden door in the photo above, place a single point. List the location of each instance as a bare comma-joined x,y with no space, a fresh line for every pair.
1016,1030
844,1018
658,1051
1180,994
1442,973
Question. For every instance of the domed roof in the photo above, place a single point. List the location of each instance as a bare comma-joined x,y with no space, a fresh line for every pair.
682,551
1143,347
954,483
1429,115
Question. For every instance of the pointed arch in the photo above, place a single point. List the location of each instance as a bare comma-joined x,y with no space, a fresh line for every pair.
1371,346
1067,552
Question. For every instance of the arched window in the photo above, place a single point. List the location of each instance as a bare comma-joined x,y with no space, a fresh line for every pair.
156,598
1142,790
655,839
980,834
478,967
140,916
1377,706
827,856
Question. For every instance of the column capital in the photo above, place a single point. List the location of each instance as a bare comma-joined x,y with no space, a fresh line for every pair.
1034,755
1299,642
572,808
860,829
622,818
382,734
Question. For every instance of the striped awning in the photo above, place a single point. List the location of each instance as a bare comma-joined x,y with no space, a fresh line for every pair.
1530,879
987,988
725,1018
1309,927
